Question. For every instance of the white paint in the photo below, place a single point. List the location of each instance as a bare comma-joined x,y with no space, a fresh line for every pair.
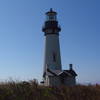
52,46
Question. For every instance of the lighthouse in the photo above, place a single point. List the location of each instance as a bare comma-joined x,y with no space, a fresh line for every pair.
53,75
51,29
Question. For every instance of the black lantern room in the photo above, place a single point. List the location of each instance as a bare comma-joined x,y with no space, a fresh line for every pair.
51,24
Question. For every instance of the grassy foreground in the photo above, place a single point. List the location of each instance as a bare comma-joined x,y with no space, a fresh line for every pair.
32,91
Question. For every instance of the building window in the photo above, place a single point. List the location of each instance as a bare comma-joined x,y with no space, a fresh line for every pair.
51,18
54,57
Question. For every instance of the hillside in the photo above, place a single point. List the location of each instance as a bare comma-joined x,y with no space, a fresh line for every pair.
32,91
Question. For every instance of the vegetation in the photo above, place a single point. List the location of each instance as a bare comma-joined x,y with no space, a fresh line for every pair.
32,91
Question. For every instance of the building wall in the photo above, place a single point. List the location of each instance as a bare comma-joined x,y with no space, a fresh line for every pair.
52,46
46,81
56,81
70,81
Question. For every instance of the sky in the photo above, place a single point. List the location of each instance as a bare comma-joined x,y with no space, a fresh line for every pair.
22,39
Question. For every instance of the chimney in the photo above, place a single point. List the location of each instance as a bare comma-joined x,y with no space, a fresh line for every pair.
70,66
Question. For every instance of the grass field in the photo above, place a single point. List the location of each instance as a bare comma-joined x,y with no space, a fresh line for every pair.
32,91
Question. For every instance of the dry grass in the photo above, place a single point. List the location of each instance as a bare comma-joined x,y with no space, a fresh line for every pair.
32,91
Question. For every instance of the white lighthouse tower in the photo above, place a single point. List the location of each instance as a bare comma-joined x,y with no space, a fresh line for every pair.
53,73
52,58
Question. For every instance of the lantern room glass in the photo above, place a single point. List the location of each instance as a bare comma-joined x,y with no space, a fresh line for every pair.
51,17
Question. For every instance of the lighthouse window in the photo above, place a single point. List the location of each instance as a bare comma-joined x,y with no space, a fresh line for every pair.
54,57
51,17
